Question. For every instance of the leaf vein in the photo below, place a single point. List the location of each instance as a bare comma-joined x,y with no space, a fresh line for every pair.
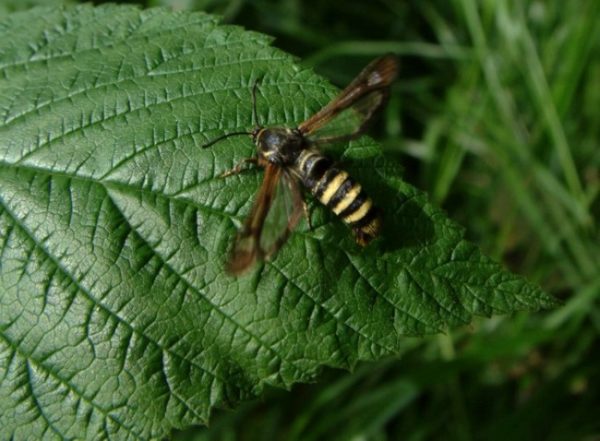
114,44
94,300
388,301
37,404
329,312
192,288
431,296
132,79
167,102
30,359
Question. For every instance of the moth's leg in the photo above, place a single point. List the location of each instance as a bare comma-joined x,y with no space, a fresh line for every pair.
241,167
307,214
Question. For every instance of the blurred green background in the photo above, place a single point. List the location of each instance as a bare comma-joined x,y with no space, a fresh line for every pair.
496,115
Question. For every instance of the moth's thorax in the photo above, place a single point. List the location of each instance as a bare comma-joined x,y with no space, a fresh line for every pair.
280,145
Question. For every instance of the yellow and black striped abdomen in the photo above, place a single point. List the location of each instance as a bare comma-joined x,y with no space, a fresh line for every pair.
335,189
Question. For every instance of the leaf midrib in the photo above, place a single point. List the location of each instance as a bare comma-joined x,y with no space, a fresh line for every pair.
129,187
89,295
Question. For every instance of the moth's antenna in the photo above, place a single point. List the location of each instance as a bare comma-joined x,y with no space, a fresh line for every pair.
254,120
220,138
254,113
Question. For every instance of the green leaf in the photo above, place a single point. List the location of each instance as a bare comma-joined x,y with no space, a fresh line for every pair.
8,6
117,319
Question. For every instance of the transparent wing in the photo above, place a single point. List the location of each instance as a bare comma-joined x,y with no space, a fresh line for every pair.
275,213
283,216
346,116
352,121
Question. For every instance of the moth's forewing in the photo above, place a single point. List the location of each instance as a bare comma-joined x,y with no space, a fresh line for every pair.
362,98
246,249
275,213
